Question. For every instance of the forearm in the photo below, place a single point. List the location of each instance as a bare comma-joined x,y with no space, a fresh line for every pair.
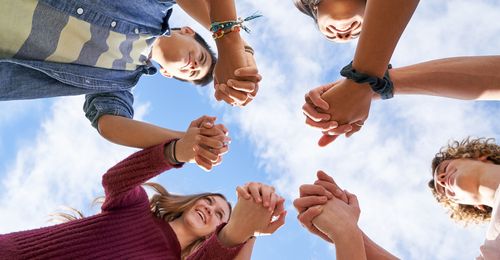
384,22
349,244
246,251
459,77
197,9
129,132
374,251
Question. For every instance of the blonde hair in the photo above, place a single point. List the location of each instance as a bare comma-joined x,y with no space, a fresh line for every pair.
468,148
163,205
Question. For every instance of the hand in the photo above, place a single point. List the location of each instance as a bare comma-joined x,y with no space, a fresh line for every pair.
249,217
312,197
338,217
314,110
262,193
231,88
203,143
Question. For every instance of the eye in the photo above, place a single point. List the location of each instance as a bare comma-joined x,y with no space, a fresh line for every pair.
219,215
209,200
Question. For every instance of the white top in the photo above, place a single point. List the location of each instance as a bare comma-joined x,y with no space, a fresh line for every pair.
491,247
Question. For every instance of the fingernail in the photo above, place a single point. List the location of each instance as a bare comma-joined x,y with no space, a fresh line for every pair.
222,88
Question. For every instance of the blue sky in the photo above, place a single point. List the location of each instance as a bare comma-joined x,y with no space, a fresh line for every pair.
50,156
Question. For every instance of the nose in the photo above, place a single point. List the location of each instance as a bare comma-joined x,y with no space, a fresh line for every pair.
441,177
344,36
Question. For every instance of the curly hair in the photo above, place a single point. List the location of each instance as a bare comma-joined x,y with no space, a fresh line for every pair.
467,148
163,205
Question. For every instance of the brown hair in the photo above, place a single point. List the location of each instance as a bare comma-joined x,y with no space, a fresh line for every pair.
307,7
467,148
163,205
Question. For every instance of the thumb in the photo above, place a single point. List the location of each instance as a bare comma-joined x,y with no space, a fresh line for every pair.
352,199
273,226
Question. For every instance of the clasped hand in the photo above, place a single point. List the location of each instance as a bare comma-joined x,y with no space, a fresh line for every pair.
236,75
204,143
325,210
337,108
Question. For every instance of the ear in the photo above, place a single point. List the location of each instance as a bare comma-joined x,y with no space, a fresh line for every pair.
186,30
165,73
483,158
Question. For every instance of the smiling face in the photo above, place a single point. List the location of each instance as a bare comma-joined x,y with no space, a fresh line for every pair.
206,214
458,180
181,56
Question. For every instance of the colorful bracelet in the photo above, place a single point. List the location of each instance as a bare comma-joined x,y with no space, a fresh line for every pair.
219,29
382,86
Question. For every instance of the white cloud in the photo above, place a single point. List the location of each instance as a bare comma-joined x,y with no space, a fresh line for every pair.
63,166
387,163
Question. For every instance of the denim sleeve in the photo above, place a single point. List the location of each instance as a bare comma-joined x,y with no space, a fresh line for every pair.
118,103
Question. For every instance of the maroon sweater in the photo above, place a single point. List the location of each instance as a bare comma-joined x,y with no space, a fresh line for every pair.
125,229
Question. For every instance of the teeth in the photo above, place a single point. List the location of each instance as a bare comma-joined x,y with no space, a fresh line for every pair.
201,215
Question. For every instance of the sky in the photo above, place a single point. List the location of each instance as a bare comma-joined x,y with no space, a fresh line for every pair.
51,156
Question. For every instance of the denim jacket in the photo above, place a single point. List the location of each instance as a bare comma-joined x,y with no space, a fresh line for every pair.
107,91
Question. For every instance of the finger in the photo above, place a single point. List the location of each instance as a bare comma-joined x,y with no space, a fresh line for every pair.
243,192
306,219
323,125
307,216
302,203
221,95
342,129
312,113
197,122
325,140
250,71
355,128
210,142
252,95
334,189
203,163
240,85
206,153
280,206
254,190
313,190
275,225
266,196
273,199
353,199
315,97
235,95
222,128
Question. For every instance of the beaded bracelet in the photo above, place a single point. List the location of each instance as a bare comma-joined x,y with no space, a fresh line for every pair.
219,29
382,86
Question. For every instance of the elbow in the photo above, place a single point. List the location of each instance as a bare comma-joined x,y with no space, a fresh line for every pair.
104,127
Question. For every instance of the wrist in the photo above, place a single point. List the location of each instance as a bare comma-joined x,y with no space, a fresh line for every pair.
231,236
170,153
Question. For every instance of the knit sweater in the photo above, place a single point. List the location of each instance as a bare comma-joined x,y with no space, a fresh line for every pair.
125,229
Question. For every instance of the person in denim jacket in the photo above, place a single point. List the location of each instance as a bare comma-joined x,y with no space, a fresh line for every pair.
102,48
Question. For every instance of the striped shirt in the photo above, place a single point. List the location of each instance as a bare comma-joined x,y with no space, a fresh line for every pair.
34,31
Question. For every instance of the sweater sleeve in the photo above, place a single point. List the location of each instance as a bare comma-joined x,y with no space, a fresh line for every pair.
213,249
122,182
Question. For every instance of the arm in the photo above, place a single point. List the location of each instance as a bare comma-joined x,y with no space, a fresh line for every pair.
475,78
246,251
129,132
231,51
122,182
375,252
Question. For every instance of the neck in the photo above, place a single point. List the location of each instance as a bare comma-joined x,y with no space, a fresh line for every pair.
488,183
185,238
156,50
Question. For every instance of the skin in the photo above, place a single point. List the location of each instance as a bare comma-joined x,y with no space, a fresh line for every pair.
235,70
468,181
383,22
340,20
236,75
201,219
191,61
332,214
467,78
